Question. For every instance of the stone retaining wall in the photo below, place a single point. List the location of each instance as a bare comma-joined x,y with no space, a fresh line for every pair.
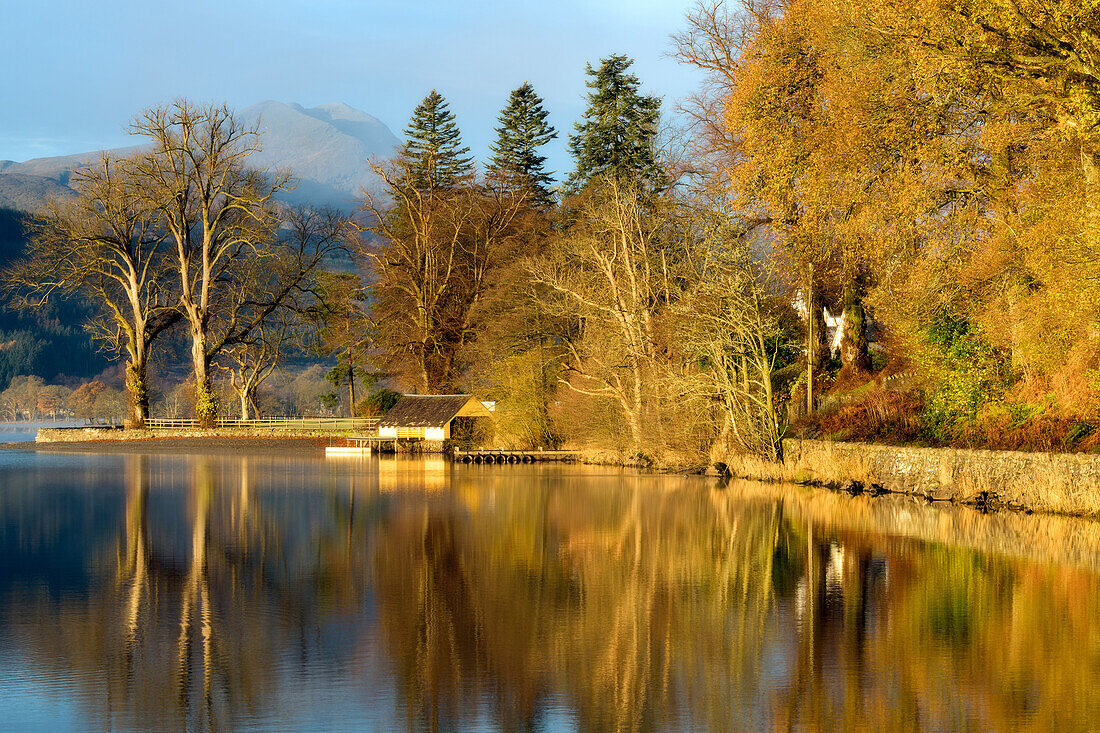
1063,483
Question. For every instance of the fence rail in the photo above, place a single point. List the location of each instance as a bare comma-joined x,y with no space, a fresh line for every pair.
274,423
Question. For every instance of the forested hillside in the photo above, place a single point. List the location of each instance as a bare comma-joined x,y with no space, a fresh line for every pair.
49,342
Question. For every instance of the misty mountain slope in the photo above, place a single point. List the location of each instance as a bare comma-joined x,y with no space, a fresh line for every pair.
326,148
57,168
26,192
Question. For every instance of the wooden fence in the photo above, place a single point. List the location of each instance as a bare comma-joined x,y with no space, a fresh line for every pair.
273,423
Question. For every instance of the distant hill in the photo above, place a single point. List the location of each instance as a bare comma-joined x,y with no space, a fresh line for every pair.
25,192
325,147
50,341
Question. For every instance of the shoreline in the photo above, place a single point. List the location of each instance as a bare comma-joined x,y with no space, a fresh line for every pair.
223,444
1047,483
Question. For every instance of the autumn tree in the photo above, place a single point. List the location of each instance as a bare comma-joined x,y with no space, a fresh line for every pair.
108,245
83,399
833,144
774,110
1042,54
20,399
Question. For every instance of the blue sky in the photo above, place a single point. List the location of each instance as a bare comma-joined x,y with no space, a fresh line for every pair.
75,73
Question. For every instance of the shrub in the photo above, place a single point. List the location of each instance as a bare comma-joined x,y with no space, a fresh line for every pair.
968,373
377,403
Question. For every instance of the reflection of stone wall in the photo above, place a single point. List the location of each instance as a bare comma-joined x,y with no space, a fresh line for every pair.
1039,538
1056,482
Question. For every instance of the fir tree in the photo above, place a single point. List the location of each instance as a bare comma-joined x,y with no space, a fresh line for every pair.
433,155
619,130
523,130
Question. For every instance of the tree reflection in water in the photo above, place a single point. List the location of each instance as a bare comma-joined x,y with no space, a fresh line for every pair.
246,591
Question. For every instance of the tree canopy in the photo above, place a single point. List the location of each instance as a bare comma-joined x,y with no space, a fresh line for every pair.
433,154
522,131
618,135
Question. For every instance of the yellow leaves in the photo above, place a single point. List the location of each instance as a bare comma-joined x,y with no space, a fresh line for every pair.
946,146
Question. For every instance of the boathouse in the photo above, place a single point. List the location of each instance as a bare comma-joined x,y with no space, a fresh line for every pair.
433,417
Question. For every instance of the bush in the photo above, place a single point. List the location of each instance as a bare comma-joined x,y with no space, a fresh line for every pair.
883,416
968,374
377,403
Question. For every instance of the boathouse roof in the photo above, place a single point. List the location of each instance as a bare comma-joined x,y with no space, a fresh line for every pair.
432,411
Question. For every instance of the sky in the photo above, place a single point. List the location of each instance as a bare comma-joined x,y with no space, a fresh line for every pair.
75,73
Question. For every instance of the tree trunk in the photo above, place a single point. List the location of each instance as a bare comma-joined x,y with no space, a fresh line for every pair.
246,413
811,348
634,420
853,343
816,348
206,402
137,391
351,391
422,365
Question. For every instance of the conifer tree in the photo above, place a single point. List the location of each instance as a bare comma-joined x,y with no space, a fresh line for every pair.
523,130
433,154
618,133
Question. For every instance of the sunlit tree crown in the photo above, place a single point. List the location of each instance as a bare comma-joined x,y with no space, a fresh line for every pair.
433,154
618,134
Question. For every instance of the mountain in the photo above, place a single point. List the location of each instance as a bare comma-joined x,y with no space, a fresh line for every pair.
24,191
325,147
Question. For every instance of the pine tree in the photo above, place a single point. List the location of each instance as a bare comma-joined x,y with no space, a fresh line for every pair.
433,155
619,131
523,130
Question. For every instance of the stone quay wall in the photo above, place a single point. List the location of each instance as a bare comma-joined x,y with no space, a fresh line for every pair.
1063,483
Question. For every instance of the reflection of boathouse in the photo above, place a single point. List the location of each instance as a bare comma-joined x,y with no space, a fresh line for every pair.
422,473
435,417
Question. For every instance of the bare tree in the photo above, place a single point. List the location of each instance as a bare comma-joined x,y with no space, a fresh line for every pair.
431,254
262,300
109,245
216,210
238,258
615,272
249,363
731,332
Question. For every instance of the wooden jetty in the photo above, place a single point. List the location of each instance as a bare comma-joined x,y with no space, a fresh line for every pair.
494,455
358,445
364,445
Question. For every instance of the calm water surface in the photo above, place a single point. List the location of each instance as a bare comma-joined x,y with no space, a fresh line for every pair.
174,592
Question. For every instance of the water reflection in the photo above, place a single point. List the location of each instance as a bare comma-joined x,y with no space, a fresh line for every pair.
215,593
